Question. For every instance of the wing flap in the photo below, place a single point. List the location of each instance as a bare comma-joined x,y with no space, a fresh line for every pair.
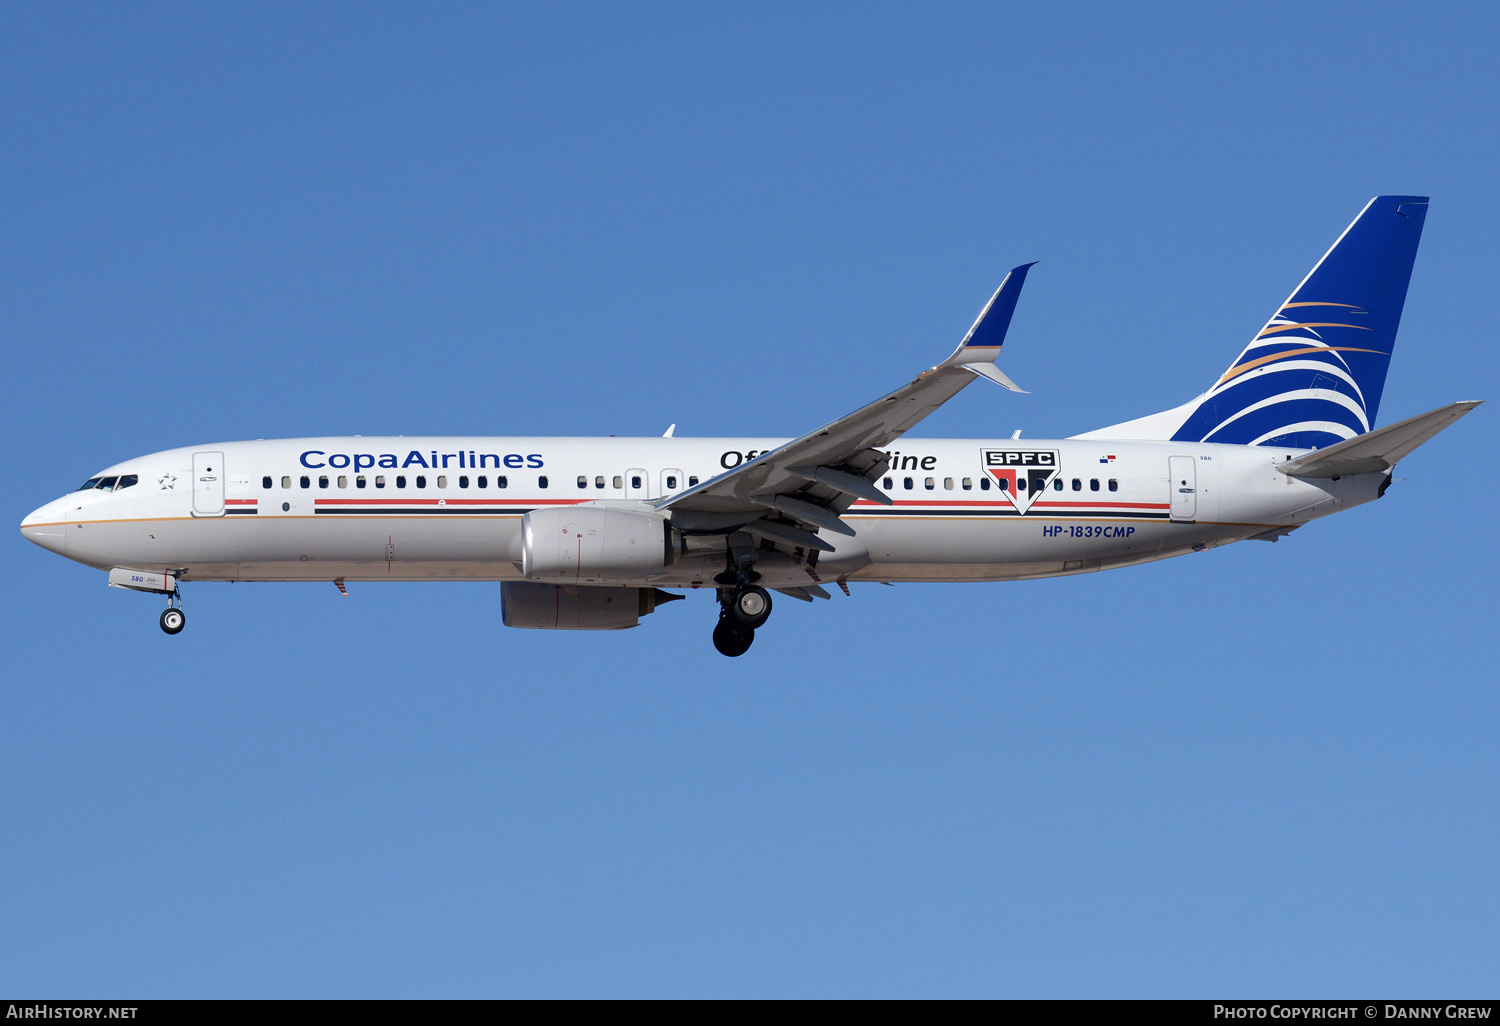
785,534
806,593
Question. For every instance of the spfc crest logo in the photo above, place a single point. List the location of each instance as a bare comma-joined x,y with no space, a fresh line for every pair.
1022,474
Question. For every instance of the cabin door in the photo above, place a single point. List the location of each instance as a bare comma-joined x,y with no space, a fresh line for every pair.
208,484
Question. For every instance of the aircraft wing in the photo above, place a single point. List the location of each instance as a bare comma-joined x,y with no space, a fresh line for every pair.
789,493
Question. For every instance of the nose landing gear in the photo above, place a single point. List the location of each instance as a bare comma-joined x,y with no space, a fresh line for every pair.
160,582
173,619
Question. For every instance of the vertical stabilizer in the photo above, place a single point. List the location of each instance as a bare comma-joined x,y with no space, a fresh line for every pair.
1314,374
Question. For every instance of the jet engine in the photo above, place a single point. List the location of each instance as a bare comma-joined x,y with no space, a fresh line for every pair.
560,607
596,545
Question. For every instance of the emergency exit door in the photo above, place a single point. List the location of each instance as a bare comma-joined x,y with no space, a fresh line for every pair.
635,483
208,484
1183,484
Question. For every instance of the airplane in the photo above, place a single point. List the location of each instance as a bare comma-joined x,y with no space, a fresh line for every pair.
588,533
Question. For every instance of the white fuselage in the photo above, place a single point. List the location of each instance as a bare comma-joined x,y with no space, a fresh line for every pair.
367,508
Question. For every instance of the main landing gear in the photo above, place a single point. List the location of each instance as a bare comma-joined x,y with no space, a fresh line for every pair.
741,610
731,637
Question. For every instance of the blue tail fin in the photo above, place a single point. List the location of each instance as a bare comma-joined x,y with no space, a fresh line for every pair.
1314,374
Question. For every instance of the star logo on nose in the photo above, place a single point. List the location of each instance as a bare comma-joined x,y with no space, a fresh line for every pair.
166,481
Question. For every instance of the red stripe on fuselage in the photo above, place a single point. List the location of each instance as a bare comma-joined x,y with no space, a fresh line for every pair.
447,502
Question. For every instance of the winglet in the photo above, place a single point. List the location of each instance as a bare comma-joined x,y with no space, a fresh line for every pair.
977,352
993,321
990,372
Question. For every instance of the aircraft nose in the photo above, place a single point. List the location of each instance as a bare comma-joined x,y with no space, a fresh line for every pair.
47,527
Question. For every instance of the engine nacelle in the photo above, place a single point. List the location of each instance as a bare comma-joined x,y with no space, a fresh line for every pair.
594,545
561,607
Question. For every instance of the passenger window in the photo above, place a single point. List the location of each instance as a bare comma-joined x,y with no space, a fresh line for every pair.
619,481
599,481
286,481
968,484
126,480
400,480
322,480
693,481
1057,484
463,480
948,483
888,484
379,480
482,481
672,482
359,480
1077,485
929,482
442,480
265,482
501,481
1004,485
421,480
984,484
306,481
107,484
1093,484
583,481
635,480
343,481
1114,485
541,482
907,482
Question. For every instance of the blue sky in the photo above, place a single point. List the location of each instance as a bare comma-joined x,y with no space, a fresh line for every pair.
1262,771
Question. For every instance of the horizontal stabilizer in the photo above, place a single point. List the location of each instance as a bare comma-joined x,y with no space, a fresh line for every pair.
1379,450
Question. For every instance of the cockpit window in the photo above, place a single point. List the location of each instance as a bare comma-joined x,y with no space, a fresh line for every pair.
109,484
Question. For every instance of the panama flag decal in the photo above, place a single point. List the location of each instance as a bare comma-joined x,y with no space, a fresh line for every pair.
1022,474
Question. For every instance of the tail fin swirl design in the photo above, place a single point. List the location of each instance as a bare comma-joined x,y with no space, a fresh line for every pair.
1314,374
